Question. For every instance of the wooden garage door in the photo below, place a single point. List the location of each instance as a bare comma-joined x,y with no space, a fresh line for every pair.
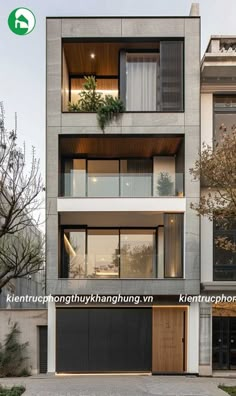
103,339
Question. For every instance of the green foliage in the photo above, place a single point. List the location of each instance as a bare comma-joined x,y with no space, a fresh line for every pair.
14,391
12,354
73,107
90,99
231,390
216,169
111,108
164,184
107,108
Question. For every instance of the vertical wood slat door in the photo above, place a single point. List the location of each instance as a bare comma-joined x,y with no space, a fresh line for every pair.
168,340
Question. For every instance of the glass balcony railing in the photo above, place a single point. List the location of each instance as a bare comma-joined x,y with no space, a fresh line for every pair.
80,184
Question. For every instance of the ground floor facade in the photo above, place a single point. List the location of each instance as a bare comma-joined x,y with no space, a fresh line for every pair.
217,337
153,339
32,324
123,339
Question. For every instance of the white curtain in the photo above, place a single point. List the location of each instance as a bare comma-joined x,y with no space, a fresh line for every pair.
141,82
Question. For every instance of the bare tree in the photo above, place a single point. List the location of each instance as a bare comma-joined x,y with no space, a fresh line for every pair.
216,168
21,188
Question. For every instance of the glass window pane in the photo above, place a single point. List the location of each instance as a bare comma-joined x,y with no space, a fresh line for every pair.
224,115
75,178
224,260
103,249
103,178
73,254
136,178
173,237
141,81
224,123
137,254
171,75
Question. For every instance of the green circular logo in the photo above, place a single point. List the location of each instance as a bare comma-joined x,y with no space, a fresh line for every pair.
21,21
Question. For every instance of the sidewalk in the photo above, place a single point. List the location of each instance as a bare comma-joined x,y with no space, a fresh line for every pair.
120,385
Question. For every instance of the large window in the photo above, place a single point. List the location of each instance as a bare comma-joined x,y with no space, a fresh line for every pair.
224,115
73,254
152,81
142,82
103,178
107,178
123,253
224,260
138,253
131,177
102,253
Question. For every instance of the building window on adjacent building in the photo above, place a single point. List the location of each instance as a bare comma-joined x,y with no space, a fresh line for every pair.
224,115
123,253
224,268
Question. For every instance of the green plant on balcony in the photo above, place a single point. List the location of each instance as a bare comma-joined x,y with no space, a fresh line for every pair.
107,107
164,184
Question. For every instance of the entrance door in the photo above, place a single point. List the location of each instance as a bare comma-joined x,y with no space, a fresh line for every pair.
168,343
224,343
43,336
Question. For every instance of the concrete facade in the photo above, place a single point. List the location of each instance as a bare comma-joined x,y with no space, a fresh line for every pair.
218,67
186,123
29,321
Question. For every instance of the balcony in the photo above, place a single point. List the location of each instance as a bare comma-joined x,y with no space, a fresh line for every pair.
116,167
146,74
113,185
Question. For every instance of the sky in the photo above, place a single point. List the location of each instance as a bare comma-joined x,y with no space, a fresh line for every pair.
22,58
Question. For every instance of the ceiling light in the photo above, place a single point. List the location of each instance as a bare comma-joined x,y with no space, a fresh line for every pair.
94,179
92,55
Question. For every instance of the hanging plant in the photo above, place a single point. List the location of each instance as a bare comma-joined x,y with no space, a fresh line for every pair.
110,110
107,108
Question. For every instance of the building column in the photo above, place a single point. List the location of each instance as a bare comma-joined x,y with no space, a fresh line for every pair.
51,337
193,339
205,342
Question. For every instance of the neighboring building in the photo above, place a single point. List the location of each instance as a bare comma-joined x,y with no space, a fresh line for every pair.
218,267
119,220
30,316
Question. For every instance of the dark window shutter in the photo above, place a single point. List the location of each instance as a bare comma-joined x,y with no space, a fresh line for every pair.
171,75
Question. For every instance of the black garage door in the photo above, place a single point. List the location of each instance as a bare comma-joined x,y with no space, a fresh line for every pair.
103,339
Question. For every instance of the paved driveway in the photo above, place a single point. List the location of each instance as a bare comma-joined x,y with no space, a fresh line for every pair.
120,385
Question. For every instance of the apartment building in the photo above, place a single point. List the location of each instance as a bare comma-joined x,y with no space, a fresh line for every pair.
218,270
119,219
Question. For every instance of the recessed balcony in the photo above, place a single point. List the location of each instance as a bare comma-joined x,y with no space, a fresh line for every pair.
146,74
107,167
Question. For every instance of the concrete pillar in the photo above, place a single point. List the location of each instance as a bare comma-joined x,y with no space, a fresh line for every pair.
205,349
51,338
194,11
193,338
206,250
